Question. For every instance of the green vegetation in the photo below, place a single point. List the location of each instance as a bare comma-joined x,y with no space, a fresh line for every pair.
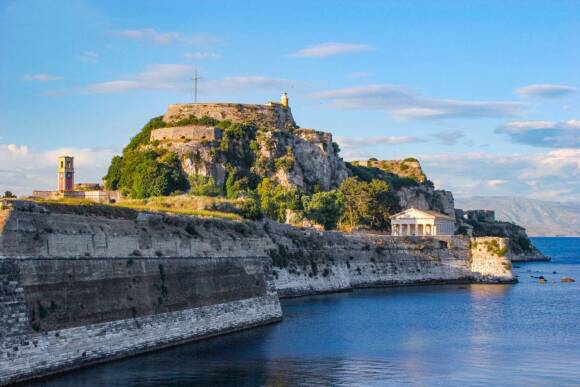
494,248
275,199
324,208
151,174
366,203
144,169
203,186
371,173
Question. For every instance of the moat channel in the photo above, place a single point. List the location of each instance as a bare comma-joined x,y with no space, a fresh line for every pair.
523,334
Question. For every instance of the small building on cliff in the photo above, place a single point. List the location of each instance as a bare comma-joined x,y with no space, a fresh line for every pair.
415,222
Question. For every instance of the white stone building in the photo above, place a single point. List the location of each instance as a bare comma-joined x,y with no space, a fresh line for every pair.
421,223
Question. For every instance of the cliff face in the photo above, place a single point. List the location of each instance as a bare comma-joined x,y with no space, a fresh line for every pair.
424,197
304,159
312,159
308,262
520,246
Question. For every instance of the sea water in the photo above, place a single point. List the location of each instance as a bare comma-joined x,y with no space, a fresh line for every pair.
522,334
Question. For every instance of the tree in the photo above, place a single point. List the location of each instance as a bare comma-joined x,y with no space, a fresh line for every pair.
355,198
9,194
381,203
366,204
324,208
114,173
275,199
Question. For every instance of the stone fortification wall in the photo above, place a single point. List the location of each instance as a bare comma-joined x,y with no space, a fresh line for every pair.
190,133
76,289
267,116
310,262
84,284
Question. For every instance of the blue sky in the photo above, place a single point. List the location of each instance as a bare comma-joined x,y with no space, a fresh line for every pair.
485,94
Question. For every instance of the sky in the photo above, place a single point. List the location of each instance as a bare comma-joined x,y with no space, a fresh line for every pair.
486,94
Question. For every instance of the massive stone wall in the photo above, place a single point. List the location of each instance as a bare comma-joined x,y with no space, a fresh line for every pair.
187,133
266,116
85,284
310,262
76,289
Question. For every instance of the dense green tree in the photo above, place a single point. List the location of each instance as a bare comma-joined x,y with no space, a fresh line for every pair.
275,199
366,203
114,173
381,205
145,169
324,208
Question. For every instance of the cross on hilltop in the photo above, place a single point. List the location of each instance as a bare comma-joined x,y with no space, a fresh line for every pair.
195,79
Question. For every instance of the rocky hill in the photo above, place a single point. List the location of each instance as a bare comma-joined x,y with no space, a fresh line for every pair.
291,174
409,168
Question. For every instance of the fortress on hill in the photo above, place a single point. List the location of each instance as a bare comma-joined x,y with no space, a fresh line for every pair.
269,115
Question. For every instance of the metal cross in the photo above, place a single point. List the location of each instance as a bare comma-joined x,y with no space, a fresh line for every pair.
195,79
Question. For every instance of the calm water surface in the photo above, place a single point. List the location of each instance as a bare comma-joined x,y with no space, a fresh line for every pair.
523,334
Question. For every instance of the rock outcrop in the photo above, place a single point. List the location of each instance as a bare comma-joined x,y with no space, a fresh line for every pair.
483,223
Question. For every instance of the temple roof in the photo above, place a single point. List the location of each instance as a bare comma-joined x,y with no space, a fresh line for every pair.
414,213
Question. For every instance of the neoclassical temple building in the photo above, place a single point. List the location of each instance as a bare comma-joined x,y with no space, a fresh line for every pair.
421,223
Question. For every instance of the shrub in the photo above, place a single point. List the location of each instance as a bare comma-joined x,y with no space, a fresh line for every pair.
285,163
203,186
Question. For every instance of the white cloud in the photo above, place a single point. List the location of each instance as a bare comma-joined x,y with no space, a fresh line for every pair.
330,49
546,90
41,77
552,134
352,142
89,57
201,55
23,169
450,137
402,102
154,36
496,182
178,77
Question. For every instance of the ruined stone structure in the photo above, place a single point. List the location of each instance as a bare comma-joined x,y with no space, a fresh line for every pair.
187,133
480,215
270,115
